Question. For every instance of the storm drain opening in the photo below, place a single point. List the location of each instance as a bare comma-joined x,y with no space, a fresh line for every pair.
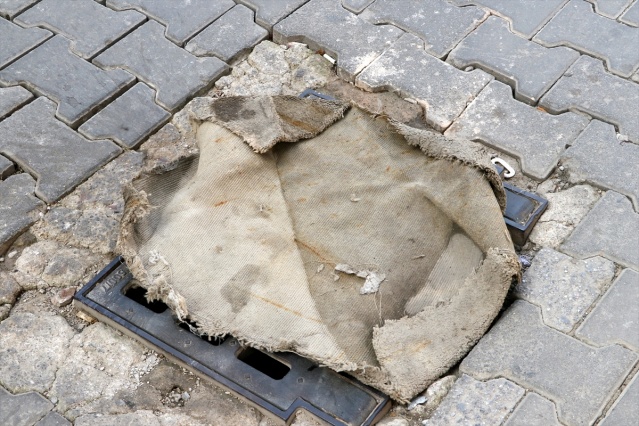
138,294
263,363
191,327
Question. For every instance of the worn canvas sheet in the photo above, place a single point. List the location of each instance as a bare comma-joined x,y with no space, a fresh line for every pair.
366,245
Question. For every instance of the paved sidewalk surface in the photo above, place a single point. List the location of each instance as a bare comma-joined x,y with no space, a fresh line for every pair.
90,94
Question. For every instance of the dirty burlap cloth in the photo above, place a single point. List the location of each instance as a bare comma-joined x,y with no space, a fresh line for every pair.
367,246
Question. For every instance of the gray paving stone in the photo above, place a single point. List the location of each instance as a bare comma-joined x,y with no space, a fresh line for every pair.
615,319
631,16
611,230
90,26
129,119
19,208
182,18
534,410
579,27
598,157
478,403
10,8
325,24
46,148
22,410
529,68
440,88
440,24
174,73
53,419
17,41
356,6
270,12
526,17
520,348
230,37
626,410
535,137
564,287
587,87
610,8
7,167
12,98
76,85
9,288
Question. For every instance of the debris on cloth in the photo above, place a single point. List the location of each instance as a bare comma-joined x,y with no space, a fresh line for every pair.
249,237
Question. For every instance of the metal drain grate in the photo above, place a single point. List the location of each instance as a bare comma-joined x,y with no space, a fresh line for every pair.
278,384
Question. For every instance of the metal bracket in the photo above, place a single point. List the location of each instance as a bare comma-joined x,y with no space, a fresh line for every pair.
281,385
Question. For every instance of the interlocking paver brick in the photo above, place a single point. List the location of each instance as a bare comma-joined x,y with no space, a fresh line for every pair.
115,121
631,16
598,157
10,8
325,24
440,24
521,348
611,229
6,167
610,8
564,287
78,86
626,410
479,403
230,37
587,87
535,137
12,98
440,88
579,27
46,148
270,12
23,409
182,18
534,410
356,6
19,208
173,72
526,17
53,419
615,319
529,68
17,41
90,26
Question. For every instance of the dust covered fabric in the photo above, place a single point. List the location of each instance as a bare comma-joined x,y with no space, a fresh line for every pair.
365,245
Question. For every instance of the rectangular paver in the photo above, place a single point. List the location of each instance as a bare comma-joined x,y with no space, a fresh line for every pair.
59,157
173,72
90,26
529,68
19,208
10,8
522,349
17,41
325,24
129,119
76,85
270,12
440,88
534,410
588,88
23,409
526,17
182,18
12,98
230,37
611,230
579,27
440,24
626,410
615,319
598,157
535,137
631,16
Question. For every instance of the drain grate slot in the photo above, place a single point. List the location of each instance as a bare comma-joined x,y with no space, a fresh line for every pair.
263,363
190,326
138,294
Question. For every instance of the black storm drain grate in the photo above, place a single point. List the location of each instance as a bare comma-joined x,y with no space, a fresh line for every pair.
277,384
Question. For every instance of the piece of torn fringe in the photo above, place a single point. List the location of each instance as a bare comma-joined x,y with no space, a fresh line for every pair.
366,246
